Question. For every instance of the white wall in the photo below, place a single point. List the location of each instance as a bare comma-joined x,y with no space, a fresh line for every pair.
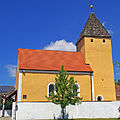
32,110
7,113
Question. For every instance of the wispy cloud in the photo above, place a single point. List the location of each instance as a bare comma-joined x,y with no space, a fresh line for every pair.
61,45
11,69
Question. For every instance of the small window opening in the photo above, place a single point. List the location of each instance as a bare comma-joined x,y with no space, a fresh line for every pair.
91,40
24,96
103,41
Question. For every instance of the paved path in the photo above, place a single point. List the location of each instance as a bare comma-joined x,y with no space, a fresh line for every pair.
5,118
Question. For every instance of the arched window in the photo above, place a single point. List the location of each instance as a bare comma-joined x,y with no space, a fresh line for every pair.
99,98
77,90
50,88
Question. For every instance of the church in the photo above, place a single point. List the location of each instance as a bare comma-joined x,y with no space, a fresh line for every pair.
91,66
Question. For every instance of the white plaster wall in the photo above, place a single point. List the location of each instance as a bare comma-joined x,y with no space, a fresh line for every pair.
32,110
7,113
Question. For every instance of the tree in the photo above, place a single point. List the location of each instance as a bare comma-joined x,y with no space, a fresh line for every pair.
117,64
65,91
8,104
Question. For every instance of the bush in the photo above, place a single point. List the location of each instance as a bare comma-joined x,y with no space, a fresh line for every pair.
8,104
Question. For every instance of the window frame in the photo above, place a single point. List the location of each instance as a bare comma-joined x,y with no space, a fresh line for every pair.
48,88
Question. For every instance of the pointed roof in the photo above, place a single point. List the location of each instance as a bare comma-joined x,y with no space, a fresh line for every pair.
93,28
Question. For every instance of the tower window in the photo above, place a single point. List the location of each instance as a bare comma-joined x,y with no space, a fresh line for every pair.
91,40
103,41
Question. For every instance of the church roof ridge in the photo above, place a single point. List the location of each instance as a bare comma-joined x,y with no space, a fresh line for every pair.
93,28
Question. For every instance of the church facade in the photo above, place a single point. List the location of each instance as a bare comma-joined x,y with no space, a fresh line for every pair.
91,66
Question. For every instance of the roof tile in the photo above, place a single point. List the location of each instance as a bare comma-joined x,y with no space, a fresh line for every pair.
51,60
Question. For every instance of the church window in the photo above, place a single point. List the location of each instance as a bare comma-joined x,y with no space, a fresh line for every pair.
99,98
91,40
103,41
50,88
77,90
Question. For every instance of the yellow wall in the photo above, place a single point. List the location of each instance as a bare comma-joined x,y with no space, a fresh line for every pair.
34,85
17,76
99,56
81,47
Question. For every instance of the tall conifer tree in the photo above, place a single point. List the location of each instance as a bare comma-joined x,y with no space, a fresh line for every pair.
65,91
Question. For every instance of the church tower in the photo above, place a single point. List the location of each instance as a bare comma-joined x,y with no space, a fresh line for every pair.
95,45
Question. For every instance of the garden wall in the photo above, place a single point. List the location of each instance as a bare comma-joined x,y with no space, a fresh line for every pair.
44,110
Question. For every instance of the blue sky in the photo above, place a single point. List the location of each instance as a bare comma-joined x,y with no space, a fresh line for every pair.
43,24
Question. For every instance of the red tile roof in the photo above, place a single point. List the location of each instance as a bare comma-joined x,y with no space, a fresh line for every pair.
117,88
51,60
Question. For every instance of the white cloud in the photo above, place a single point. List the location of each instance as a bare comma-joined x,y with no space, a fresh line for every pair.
61,45
11,69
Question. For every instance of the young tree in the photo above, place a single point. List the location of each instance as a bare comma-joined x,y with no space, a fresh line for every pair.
65,91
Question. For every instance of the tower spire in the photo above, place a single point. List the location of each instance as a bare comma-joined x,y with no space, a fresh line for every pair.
91,6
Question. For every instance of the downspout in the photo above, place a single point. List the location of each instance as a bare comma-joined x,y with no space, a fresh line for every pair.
92,87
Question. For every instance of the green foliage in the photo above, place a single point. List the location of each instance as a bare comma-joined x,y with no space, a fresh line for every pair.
117,82
117,64
63,92
0,106
8,104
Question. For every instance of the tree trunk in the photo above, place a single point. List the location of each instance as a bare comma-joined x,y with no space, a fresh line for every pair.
63,113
